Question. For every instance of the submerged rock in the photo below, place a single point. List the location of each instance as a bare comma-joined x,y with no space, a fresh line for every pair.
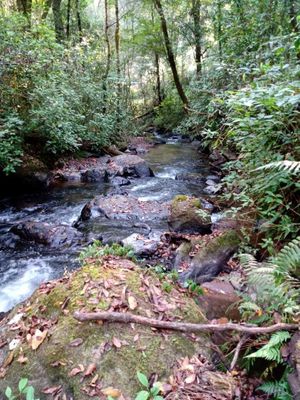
188,215
202,259
47,234
94,175
81,360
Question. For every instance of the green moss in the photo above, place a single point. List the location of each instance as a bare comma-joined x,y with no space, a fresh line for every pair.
117,367
180,198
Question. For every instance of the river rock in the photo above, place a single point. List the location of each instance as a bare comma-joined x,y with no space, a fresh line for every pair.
129,165
294,358
94,175
187,215
219,300
191,177
47,234
143,245
202,259
119,181
73,354
125,207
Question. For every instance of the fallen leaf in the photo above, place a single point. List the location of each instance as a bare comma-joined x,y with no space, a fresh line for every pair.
8,360
132,302
76,342
38,338
90,369
22,359
110,391
190,379
116,342
51,390
136,338
75,371
58,363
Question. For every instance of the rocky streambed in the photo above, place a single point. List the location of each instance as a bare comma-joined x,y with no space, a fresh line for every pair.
161,205
127,197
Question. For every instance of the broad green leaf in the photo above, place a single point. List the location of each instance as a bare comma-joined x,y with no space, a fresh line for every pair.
22,384
143,379
143,395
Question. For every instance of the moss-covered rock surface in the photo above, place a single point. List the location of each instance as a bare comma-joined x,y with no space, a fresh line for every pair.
62,357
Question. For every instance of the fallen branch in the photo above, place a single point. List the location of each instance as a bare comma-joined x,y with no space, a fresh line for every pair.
127,318
238,349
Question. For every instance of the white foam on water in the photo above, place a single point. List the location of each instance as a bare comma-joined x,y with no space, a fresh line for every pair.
20,280
145,185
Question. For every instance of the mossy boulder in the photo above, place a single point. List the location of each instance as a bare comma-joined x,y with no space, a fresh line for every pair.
203,258
188,215
80,360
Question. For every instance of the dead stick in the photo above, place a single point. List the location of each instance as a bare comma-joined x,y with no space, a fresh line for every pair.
127,318
238,349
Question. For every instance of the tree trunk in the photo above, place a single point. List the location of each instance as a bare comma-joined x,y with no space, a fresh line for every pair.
108,54
220,29
118,63
78,16
293,16
58,23
197,34
68,19
158,80
170,53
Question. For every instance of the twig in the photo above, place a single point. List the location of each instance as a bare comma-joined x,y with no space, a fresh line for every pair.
238,349
128,318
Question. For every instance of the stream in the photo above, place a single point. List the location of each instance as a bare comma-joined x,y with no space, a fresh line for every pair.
25,266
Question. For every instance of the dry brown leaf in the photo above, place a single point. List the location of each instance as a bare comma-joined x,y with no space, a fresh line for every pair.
51,390
38,338
136,338
190,379
132,302
8,360
110,391
75,371
116,342
22,359
76,342
90,369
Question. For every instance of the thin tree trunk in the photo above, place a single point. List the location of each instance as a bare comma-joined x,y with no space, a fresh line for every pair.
170,53
25,7
58,23
118,63
107,41
68,19
293,16
197,33
127,318
78,16
108,54
158,80
220,30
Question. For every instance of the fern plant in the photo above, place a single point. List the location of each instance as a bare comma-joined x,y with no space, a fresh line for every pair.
274,284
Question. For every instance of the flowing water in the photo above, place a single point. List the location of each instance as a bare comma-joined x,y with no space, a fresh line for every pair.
24,267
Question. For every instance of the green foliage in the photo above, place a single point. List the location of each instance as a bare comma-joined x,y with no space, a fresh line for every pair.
279,390
275,283
149,393
193,287
271,350
169,113
25,391
54,96
97,250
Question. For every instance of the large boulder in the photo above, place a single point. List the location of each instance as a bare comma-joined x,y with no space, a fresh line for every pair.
60,356
129,165
188,215
125,207
202,259
47,234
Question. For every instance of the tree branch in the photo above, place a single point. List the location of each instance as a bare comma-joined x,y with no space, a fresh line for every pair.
127,318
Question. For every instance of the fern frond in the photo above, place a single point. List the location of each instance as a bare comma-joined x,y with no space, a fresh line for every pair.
292,167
